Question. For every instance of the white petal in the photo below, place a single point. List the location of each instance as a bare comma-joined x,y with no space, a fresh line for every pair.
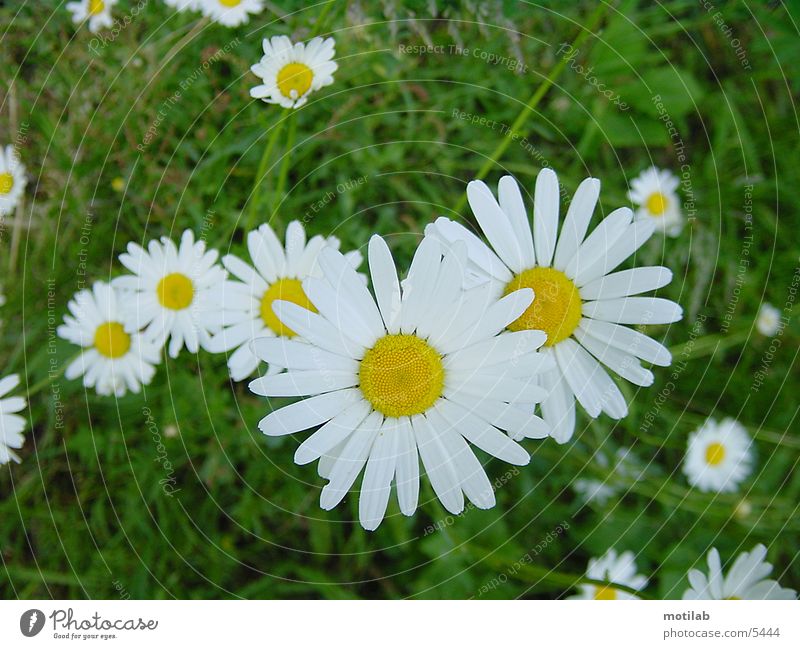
385,282
307,413
627,282
407,469
627,340
511,203
437,465
377,483
634,310
495,225
576,222
296,355
629,242
332,433
627,366
545,216
574,371
597,244
316,329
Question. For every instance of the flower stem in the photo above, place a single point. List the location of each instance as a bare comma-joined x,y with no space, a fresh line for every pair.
591,25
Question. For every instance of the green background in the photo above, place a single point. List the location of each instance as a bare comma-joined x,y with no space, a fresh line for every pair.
84,514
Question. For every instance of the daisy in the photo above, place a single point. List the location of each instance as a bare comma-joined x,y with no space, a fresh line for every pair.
172,288
97,12
11,424
719,456
246,302
579,303
654,191
615,569
12,180
768,321
231,12
291,71
113,360
422,368
745,579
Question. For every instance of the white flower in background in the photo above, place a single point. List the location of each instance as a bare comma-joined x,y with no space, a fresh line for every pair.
746,579
97,12
246,302
11,424
768,322
719,456
626,470
231,13
291,71
654,191
425,369
171,290
113,360
619,570
12,180
579,303
183,5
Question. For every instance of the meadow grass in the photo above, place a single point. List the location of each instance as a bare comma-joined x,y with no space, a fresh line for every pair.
175,492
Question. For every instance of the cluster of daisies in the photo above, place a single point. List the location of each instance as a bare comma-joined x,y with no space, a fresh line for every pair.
97,14
484,342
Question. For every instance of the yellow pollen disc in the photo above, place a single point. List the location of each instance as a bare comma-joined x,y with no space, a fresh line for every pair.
230,3
289,290
401,375
175,291
294,80
6,183
111,340
657,204
605,592
556,307
96,6
715,453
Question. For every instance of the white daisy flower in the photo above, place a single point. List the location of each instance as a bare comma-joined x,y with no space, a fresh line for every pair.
746,579
768,322
423,368
654,191
183,5
246,303
626,470
113,360
291,71
12,180
615,569
11,424
719,456
579,303
97,12
231,13
172,288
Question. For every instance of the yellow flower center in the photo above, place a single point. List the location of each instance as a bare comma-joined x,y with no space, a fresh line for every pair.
175,291
715,453
290,290
401,375
294,80
111,340
6,183
556,307
96,6
657,204
230,3
605,592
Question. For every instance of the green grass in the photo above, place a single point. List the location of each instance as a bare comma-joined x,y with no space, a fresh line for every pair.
84,514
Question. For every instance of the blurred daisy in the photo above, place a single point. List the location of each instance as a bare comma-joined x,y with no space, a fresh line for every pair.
183,5
96,12
655,193
619,570
12,180
719,456
113,360
290,72
745,579
230,12
414,370
246,303
626,470
768,321
11,424
172,288
579,303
